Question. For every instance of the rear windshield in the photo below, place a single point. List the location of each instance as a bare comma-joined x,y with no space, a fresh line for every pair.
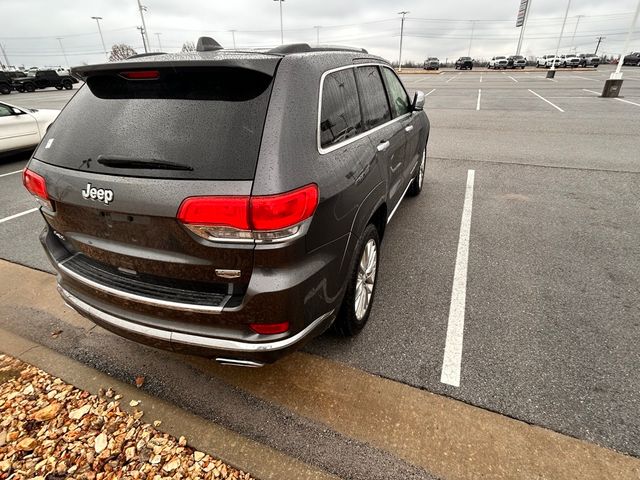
188,123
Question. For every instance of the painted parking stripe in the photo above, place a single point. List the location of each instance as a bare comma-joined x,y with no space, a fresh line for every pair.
542,98
452,78
6,219
452,361
427,94
479,96
618,99
512,78
10,173
480,78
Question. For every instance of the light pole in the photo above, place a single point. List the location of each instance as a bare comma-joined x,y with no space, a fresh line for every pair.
97,19
157,34
600,38
573,38
281,25
233,36
144,42
63,52
617,75
524,25
144,31
403,13
551,73
317,27
473,27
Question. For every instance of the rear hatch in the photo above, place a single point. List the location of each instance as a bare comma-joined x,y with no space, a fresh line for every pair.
131,146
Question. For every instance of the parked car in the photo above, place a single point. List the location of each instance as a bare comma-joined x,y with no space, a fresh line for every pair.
498,62
23,128
15,74
432,63
516,61
216,242
632,59
43,79
464,63
569,60
589,60
547,60
5,84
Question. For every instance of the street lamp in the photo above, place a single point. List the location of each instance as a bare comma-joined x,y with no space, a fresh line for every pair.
613,85
403,13
157,34
233,36
144,31
317,27
551,73
63,52
97,19
281,27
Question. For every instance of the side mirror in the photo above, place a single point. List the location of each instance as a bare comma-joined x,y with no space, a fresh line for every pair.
17,111
418,101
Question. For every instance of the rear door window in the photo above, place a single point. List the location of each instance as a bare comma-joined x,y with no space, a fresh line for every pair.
398,97
207,121
340,116
373,99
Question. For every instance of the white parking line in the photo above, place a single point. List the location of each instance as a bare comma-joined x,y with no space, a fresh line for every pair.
479,96
427,94
585,78
512,78
452,361
619,99
6,219
591,91
480,78
542,98
453,77
10,173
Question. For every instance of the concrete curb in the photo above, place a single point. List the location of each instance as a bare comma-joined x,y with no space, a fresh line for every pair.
242,453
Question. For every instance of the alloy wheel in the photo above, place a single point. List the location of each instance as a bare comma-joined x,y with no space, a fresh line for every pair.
366,279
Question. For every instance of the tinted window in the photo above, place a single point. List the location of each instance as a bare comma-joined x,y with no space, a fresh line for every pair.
210,120
397,95
340,116
375,107
5,111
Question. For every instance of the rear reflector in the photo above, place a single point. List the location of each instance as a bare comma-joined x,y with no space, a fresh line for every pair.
269,328
141,75
262,218
37,186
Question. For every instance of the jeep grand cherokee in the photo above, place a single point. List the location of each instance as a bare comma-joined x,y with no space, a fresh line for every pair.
225,203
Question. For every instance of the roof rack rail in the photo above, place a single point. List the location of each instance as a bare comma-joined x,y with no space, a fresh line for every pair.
207,44
305,48
148,54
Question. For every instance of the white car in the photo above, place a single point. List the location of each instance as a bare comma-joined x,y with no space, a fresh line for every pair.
547,60
498,62
570,60
23,128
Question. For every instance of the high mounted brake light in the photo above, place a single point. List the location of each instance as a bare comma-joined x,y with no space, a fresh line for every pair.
37,186
141,75
249,218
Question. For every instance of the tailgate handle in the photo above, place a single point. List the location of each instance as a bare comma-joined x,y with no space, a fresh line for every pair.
382,146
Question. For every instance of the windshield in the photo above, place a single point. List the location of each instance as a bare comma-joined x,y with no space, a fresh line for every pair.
465,58
210,120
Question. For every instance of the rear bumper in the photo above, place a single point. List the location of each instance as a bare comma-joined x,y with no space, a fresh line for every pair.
297,294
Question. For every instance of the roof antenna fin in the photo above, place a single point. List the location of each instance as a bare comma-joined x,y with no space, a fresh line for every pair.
207,44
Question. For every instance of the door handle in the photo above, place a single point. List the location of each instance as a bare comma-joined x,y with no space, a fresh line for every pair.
382,146
408,129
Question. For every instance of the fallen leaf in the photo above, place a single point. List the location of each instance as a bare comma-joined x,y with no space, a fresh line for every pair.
156,459
48,412
139,381
182,441
28,390
27,444
157,423
5,466
78,413
134,403
101,442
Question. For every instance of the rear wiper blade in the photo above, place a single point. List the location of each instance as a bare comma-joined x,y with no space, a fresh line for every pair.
141,163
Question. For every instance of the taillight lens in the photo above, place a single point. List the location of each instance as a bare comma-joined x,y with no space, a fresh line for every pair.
37,186
243,218
269,328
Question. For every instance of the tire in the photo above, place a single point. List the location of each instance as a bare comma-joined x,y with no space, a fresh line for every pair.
355,309
418,180
30,87
522,68
638,64
67,85
20,89
470,68
5,89
58,87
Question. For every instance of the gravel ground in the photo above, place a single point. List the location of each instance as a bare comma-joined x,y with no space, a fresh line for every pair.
54,431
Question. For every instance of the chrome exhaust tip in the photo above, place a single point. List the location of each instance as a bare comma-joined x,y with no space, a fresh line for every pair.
239,363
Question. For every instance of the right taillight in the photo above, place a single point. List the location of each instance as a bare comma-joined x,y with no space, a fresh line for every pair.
268,218
37,186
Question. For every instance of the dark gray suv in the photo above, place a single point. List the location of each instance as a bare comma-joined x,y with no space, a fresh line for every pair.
225,203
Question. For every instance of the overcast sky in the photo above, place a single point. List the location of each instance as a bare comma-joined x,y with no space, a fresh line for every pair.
433,28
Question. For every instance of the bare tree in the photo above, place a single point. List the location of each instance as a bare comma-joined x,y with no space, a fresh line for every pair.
121,51
188,46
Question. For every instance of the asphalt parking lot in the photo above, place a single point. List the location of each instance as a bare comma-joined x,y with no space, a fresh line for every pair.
551,318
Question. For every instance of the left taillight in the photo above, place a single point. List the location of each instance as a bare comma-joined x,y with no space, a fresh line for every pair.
37,186
269,218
